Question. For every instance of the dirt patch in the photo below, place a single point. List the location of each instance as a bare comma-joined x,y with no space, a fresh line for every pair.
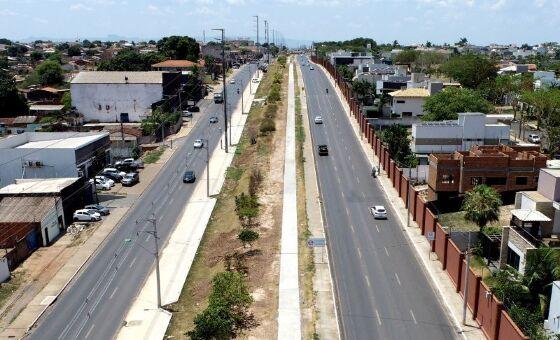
220,239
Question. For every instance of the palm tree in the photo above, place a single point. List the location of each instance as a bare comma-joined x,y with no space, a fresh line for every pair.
482,205
541,269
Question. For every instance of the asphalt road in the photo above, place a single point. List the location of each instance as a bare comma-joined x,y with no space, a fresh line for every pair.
381,289
95,303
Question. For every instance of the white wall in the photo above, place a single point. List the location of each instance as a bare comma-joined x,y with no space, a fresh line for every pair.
413,105
4,269
553,322
134,99
50,223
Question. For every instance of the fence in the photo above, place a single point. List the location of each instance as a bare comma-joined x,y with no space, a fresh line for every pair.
487,310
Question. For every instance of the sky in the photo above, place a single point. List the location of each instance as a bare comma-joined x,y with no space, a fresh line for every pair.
408,21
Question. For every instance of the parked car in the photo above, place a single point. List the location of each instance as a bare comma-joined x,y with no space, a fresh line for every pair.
100,185
193,108
311,68
323,150
255,80
378,212
86,215
113,174
198,144
213,119
232,81
102,210
126,165
104,179
186,114
318,120
189,177
534,138
130,179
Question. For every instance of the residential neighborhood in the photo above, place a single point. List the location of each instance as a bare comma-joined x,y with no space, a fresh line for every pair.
279,170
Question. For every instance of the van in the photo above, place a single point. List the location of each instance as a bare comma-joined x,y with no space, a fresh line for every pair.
218,98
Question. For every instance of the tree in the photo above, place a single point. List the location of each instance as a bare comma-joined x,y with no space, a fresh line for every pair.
56,56
407,57
66,101
62,47
247,237
396,137
74,51
16,50
446,104
471,70
345,72
36,56
462,42
541,269
364,90
49,73
428,44
5,41
482,205
11,102
130,60
87,44
179,47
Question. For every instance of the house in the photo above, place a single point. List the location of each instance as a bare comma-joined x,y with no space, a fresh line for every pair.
116,96
350,58
175,65
409,102
552,324
42,110
470,128
535,221
373,72
19,124
44,95
52,155
545,79
505,168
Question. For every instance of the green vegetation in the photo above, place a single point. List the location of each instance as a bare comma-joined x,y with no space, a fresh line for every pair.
158,119
131,60
234,173
8,287
396,138
282,60
49,72
247,237
446,104
544,105
471,70
12,102
153,155
66,100
179,47
482,205
364,90
227,314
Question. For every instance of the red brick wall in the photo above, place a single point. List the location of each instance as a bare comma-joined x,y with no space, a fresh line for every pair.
404,189
474,287
489,310
413,194
430,225
420,212
454,261
441,244
397,181
509,330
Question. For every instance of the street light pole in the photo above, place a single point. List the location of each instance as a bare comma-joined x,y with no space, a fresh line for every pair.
466,289
207,168
224,82
153,221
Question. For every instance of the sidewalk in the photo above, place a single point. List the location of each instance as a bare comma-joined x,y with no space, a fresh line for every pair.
439,279
289,316
52,268
324,302
144,320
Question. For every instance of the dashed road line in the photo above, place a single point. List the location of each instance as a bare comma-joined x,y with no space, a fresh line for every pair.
398,280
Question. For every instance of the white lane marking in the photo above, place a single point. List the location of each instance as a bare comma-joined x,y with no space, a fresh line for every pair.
376,227
367,281
132,263
147,238
378,317
364,195
398,280
88,332
413,317
171,200
360,253
342,192
352,227
386,251
113,293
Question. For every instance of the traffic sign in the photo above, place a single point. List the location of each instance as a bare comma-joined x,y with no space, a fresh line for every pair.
431,236
316,242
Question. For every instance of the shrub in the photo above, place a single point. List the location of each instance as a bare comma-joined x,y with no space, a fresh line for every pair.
271,110
267,126
247,237
254,182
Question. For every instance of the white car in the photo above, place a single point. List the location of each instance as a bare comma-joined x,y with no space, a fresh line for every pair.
378,212
255,80
198,144
232,81
533,138
86,215
311,68
114,171
103,179
318,120
100,185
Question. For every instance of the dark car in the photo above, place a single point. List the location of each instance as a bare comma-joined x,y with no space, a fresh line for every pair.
213,119
189,177
99,208
115,176
323,150
193,108
130,179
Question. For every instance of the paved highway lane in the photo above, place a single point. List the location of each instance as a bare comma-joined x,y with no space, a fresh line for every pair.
95,303
382,291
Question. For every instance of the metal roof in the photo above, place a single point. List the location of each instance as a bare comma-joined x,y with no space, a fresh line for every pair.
411,93
25,209
38,186
40,107
528,215
118,77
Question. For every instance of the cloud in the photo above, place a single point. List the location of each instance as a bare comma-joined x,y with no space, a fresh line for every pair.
498,4
80,7
7,13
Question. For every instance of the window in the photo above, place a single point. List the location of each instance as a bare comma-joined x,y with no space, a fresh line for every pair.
400,101
447,179
407,114
476,181
496,180
521,180
513,259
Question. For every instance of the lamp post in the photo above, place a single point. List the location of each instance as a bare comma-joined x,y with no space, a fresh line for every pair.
224,82
206,146
153,221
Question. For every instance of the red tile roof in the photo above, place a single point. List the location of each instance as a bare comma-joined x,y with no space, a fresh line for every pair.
176,63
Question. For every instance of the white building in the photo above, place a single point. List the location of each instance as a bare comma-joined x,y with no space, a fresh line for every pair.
545,79
409,102
116,96
553,322
350,58
469,129
52,155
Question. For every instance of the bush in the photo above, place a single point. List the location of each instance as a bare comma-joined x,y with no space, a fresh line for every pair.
270,111
247,237
254,182
282,60
267,126
247,208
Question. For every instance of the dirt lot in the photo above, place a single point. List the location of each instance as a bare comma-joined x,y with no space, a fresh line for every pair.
220,238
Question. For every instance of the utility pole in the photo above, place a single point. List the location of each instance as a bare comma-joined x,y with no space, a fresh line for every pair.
153,221
242,92
224,82
207,167
256,16
466,289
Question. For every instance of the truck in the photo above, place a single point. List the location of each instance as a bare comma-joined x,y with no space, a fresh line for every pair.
218,98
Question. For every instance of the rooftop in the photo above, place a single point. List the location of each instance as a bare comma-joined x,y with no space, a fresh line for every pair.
553,172
51,140
410,93
118,77
25,209
37,186
176,63
40,107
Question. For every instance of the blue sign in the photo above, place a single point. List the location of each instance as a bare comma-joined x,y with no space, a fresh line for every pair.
316,242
